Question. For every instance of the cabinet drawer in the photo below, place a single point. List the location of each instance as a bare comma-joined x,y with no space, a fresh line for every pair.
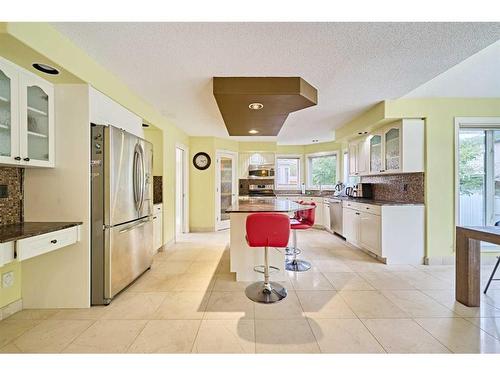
352,205
33,246
370,208
6,252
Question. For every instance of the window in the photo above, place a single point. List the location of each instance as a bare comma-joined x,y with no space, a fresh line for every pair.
322,170
287,173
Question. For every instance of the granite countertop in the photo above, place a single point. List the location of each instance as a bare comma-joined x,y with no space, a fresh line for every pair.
253,204
376,202
14,232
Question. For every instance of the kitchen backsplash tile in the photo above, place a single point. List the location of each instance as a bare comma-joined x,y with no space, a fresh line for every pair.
157,189
11,207
404,187
245,182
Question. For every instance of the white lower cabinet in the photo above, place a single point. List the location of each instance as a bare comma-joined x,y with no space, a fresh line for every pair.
157,226
393,233
351,222
326,215
370,232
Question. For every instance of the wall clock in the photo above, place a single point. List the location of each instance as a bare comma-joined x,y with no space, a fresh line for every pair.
201,161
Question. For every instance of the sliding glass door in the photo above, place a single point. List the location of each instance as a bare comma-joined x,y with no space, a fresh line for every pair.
479,176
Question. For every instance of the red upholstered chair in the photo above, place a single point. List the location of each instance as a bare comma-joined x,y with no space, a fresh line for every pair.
305,220
267,230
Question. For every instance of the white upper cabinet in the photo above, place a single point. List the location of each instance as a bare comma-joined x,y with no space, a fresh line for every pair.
9,114
375,153
26,118
396,148
37,121
358,157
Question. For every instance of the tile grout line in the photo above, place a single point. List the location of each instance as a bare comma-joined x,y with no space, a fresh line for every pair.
363,323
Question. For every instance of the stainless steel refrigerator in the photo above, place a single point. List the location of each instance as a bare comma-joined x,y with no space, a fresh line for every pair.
121,214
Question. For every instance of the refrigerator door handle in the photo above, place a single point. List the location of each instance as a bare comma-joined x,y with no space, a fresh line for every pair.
143,177
137,225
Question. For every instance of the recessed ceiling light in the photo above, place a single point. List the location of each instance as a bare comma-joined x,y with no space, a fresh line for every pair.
362,133
253,131
45,68
145,125
256,106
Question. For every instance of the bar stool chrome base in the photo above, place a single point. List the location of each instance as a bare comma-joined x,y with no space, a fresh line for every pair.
259,292
297,265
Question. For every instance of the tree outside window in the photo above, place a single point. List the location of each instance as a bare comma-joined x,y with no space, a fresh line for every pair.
322,170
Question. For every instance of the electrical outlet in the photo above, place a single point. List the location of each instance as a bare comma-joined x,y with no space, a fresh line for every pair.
8,279
405,187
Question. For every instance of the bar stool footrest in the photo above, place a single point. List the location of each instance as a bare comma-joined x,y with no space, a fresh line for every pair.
272,270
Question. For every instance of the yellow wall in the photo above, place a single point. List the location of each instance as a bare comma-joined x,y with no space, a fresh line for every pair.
439,115
9,295
202,187
26,41
202,183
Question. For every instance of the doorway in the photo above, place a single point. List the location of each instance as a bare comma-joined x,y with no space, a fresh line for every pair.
181,203
226,187
478,174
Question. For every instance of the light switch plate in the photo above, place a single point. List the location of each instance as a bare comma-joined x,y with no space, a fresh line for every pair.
8,279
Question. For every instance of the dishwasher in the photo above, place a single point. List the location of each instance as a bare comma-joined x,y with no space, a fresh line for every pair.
336,216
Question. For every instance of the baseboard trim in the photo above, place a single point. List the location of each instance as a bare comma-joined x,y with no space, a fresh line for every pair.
11,309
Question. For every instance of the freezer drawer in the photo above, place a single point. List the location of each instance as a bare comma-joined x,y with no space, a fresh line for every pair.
129,253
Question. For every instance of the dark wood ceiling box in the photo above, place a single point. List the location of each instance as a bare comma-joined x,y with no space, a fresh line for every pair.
278,95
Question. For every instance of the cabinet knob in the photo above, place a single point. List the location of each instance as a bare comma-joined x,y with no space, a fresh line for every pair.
26,159
53,241
17,158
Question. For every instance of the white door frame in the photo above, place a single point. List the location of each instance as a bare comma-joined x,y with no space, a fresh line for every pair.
218,153
467,122
185,189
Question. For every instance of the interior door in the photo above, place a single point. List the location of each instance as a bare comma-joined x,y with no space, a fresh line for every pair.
179,190
226,189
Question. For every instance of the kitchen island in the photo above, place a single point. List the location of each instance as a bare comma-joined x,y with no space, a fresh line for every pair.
243,258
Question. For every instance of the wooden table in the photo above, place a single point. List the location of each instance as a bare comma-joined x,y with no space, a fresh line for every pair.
468,261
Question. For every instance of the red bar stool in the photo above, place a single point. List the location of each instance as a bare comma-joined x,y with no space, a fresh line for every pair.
305,221
289,251
265,230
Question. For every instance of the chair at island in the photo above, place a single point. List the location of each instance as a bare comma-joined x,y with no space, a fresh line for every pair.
266,230
304,220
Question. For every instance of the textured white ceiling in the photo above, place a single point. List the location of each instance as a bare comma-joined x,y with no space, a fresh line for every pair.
353,65
476,76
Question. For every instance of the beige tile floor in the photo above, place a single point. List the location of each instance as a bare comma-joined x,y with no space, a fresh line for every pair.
347,303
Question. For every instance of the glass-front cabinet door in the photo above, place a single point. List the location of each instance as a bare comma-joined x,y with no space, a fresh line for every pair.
37,122
375,153
226,187
392,149
9,115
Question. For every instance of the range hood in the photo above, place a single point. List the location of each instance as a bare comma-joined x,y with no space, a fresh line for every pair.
278,97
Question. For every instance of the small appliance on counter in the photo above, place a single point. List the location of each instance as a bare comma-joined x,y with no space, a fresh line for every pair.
261,190
360,190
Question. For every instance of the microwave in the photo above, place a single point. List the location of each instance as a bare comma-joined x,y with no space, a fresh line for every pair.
260,171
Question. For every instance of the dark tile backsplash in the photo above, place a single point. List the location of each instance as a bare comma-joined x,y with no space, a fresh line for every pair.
11,207
405,187
157,189
245,182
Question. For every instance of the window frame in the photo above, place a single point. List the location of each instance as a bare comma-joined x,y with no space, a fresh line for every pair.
308,178
300,158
